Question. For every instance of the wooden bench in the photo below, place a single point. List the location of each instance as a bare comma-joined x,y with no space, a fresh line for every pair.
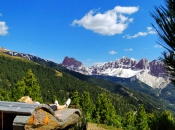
20,116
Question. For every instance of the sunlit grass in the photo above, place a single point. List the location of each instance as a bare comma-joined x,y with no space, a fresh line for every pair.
94,126
58,73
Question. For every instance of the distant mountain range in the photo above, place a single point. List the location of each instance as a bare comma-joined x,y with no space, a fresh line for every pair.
144,76
151,73
60,80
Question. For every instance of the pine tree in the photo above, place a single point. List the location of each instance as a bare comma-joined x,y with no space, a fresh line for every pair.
105,112
165,121
152,121
141,119
28,86
87,105
165,19
129,121
75,99
5,95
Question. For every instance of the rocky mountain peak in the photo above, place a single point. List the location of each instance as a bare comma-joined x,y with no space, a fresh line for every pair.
71,62
143,64
152,73
127,63
157,68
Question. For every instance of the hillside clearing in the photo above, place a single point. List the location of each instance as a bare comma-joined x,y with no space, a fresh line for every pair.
94,126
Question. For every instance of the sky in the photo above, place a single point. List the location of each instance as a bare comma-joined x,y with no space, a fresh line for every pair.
91,31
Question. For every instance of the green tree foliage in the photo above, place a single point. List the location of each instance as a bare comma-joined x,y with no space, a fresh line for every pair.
75,99
152,121
5,95
165,19
55,84
141,119
105,112
164,121
129,121
87,105
53,87
28,86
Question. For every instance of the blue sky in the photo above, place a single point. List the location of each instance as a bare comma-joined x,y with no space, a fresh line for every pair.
91,31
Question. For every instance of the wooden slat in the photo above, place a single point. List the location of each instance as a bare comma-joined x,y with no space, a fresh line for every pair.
17,110
21,120
7,103
17,107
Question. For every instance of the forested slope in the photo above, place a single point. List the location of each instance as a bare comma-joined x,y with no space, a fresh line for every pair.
146,96
54,84
58,84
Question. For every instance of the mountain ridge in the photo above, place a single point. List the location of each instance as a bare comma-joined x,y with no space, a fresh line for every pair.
152,73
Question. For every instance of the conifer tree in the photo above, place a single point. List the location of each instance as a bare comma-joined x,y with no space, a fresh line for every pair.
141,119
28,86
87,105
129,121
152,121
5,95
165,121
105,112
165,19
75,99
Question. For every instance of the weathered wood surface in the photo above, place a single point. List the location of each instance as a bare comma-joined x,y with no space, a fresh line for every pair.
36,116
17,107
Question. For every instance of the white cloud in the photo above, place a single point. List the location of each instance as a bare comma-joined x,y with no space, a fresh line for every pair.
126,10
130,49
149,31
112,52
157,46
3,28
136,35
110,22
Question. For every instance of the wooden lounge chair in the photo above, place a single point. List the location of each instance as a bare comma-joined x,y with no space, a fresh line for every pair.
21,116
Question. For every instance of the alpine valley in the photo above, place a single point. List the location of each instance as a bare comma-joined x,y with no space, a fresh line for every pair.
147,78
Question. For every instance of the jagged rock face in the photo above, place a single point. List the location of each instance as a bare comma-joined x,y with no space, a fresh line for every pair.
157,69
151,73
126,63
143,64
71,62
114,67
